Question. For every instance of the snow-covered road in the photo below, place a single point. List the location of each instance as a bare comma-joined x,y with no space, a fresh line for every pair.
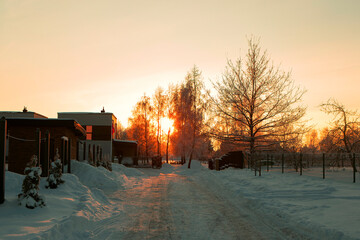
175,206
181,203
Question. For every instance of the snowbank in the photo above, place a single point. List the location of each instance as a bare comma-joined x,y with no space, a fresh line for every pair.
167,168
72,207
95,177
195,168
69,199
327,207
322,205
128,172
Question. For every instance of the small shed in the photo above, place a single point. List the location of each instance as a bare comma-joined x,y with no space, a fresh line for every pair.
21,143
234,159
125,150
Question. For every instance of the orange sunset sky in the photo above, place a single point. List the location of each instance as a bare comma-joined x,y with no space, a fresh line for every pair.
58,56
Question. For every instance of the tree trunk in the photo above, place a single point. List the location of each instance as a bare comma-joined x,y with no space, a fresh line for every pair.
167,147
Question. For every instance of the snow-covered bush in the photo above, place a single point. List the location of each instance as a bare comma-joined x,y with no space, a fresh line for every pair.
54,178
30,187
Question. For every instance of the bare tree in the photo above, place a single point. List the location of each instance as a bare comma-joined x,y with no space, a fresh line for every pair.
344,125
327,142
140,127
159,101
195,84
188,114
259,99
169,110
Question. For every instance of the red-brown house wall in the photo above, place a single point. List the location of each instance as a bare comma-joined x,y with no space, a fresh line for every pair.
20,152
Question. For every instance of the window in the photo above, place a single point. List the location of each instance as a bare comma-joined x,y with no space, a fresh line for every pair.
88,132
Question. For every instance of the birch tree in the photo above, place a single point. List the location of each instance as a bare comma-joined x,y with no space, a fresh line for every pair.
159,101
141,128
189,105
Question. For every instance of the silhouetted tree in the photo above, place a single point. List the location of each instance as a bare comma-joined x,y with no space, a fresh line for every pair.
158,102
260,100
189,106
344,125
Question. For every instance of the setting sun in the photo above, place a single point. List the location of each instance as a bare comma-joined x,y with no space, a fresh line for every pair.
167,124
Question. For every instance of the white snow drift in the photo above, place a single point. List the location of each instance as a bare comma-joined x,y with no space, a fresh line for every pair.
324,206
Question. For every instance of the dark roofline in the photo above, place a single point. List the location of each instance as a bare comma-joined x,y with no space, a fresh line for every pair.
28,112
47,122
88,113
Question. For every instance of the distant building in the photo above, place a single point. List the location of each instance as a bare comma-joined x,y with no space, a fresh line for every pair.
101,129
125,151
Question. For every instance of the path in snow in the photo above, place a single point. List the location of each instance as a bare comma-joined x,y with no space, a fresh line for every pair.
173,206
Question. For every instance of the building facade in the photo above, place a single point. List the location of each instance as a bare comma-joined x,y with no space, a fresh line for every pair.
101,129
22,143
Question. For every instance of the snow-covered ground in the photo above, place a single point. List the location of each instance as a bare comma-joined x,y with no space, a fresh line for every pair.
180,203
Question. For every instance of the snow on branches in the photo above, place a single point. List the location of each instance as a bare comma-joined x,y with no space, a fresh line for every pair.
54,178
30,187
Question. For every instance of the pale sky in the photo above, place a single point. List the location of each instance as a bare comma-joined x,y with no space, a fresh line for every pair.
58,56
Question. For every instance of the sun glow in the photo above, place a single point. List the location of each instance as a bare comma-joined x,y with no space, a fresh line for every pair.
167,124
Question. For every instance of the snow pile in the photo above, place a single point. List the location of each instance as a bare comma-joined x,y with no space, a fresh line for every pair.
95,177
71,209
129,172
167,168
195,168
127,161
322,205
69,200
93,202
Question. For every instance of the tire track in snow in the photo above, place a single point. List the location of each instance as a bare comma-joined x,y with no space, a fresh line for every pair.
204,214
172,206
146,213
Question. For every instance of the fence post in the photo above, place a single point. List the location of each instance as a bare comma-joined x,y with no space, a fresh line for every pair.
260,167
282,163
77,150
38,144
354,168
46,156
301,156
84,155
323,165
217,164
255,167
62,154
94,155
3,128
90,155
253,162
97,154
69,156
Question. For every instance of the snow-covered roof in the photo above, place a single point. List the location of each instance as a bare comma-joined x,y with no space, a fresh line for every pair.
85,113
124,141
